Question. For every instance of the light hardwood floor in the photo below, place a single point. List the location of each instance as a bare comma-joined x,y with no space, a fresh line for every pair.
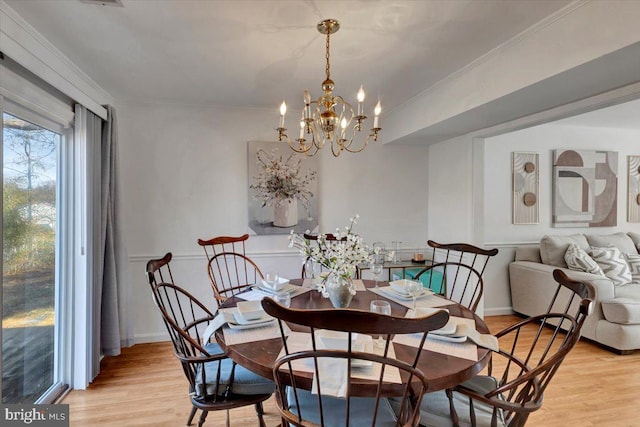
145,386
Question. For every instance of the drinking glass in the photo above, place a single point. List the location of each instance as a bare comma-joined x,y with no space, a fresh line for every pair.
283,298
381,307
310,268
414,288
271,277
396,251
377,262
378,248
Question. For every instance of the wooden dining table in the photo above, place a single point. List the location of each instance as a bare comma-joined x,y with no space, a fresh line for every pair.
441,370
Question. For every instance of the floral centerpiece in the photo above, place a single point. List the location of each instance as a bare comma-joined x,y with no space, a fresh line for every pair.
281,183
340,257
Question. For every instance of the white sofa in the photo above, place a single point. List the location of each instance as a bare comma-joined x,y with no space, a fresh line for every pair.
615,322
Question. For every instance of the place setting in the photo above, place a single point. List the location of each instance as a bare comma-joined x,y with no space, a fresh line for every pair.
273,286
409,293
333,372
244,323
458,337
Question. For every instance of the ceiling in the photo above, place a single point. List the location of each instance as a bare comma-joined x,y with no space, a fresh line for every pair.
253,54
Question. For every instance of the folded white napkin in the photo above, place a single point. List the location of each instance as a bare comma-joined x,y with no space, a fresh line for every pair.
333,371
215,324
483,340
333,377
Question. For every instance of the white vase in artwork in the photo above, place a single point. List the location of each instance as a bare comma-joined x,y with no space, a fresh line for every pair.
285,213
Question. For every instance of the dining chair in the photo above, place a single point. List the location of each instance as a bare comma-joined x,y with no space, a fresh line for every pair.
457,272
159,271
531,351
232,273
220,244
215,381
362,403
314,237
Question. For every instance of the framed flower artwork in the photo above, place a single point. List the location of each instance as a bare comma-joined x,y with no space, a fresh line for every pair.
282,189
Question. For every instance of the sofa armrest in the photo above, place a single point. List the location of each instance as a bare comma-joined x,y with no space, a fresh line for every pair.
532,286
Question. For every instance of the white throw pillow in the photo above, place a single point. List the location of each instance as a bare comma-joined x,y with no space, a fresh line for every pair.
579,260
613,264
634,265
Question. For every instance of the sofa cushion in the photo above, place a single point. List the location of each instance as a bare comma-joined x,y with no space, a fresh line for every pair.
634,265
625,307
619,240
636,239
613,264
528,253
579,260
553,248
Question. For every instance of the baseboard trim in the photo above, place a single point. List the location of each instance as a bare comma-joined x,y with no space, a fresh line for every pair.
498,311
148,338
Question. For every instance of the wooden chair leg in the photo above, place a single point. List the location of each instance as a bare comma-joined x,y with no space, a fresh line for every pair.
452,408
260,412
203,417
191,415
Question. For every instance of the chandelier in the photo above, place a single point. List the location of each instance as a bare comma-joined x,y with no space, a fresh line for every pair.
329,119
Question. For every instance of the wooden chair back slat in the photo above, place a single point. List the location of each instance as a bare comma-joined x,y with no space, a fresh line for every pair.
350,322
231,273
526,366
462,266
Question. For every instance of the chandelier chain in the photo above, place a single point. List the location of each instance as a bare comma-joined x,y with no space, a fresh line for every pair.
328,68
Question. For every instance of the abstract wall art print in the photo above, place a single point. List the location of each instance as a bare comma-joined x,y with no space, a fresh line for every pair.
633,189
585,188
525,188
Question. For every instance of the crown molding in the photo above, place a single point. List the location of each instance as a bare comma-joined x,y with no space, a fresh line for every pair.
25,45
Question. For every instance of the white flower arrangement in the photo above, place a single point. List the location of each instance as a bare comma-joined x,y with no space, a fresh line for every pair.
340,256
281,180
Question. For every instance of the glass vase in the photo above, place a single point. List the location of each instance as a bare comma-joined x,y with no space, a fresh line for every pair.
340,290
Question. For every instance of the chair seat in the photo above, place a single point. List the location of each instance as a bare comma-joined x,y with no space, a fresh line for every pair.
434,409
245,382
361,410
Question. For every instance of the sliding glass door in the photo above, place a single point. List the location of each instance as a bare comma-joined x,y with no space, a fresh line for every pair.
31,290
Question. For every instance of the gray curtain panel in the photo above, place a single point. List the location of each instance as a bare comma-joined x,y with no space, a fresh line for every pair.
116,329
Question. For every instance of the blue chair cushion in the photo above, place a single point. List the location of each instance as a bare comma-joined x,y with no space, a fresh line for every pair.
434,409
361,409
244,381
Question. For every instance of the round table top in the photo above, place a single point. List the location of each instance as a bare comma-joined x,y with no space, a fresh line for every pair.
441,370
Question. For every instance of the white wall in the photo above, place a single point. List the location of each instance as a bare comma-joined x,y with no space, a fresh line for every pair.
185,174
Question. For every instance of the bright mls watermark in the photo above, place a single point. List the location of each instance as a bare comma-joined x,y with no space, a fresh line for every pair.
35,415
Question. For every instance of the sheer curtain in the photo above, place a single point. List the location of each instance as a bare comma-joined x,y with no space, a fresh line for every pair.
116,329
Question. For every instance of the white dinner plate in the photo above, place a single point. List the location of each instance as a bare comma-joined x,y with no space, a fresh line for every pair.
240,320
250,326
448,329
288,288
232,322
394,294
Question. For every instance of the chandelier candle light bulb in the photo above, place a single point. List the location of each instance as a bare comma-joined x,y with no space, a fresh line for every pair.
360,99
376,112
283,111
